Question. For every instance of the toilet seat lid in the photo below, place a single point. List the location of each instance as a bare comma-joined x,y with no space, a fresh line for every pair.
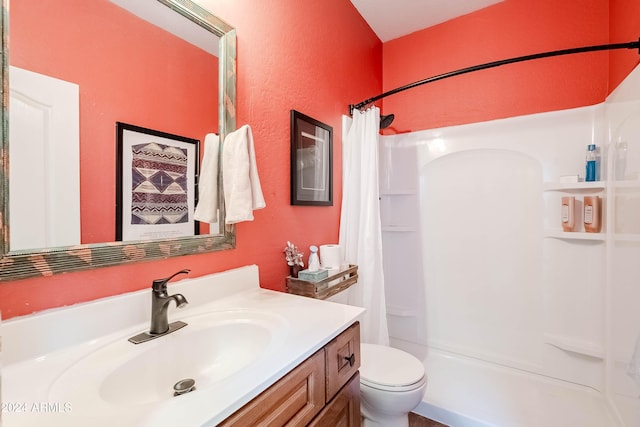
389,367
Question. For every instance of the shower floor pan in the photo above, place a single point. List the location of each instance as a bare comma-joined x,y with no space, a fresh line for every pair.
467,392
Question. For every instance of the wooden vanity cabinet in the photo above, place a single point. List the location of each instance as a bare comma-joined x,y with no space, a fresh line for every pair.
324,390
294,400
344,409
342,356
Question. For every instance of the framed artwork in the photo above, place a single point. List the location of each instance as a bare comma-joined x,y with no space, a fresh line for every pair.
156,184
311,161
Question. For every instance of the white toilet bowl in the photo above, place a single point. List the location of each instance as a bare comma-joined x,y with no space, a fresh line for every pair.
392,383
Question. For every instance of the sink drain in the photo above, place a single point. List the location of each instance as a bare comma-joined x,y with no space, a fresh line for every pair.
184,386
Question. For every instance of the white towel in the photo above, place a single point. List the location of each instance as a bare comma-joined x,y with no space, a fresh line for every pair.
207,209
242,190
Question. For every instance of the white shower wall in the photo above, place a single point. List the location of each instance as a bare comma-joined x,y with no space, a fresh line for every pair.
623,290
474,261
480,227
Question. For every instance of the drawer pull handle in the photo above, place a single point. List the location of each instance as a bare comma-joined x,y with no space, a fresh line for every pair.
351,359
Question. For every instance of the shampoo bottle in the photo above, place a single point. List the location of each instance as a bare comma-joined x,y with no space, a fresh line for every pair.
567,213
592,214
592,171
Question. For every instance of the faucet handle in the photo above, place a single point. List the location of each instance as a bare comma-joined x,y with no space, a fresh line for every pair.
160,285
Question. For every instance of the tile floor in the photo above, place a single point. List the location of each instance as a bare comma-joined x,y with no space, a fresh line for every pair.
416,420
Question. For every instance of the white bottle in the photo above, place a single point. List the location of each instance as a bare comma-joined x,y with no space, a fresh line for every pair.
314,261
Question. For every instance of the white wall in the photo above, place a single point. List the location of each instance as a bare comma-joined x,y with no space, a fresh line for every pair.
623,292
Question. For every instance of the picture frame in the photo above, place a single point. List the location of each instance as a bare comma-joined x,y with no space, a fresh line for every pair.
311,161
156,184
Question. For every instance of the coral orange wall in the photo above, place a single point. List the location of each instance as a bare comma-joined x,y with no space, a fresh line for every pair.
318,57
624,26
508,29
315,57
148,66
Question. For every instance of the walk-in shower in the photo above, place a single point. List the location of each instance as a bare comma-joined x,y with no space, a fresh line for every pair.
516,322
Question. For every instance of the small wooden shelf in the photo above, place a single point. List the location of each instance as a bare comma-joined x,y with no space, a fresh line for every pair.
323,289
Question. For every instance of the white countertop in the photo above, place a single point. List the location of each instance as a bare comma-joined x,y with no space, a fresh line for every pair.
27,375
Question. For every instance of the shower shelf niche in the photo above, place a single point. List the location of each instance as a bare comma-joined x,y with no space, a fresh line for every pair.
574,345
581,188
574,235
575,186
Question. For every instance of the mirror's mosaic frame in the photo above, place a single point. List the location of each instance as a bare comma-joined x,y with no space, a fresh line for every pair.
47,262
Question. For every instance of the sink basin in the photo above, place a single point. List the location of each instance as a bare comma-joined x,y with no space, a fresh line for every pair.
209,349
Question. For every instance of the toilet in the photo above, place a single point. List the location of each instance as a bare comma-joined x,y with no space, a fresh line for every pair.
392,384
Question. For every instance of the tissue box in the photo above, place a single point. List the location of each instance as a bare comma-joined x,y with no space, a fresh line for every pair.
313,276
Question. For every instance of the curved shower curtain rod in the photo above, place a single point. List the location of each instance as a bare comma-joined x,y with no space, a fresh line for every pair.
629,45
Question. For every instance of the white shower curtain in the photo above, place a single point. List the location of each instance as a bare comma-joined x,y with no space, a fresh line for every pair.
360,230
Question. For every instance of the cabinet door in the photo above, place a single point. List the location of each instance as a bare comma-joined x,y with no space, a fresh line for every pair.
293,401
344,409
342,359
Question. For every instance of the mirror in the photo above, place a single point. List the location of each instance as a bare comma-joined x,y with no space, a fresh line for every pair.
184,104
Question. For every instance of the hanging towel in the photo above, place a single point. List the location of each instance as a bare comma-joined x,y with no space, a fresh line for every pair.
207,209
242,190
634,366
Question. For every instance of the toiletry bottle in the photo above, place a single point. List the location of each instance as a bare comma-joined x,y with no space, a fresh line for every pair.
621,160
314,261
567,213
593,164
592,214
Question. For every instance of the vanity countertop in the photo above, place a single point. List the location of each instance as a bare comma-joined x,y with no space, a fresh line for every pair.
43,348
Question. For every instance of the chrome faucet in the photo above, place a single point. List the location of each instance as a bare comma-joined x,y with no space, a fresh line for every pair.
159,305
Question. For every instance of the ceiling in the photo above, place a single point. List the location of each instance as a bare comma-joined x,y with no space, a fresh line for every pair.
390,20
161,16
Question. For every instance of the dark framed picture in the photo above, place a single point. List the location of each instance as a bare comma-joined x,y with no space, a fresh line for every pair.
311,161
156,184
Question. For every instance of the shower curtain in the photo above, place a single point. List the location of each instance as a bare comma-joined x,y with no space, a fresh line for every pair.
360,229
